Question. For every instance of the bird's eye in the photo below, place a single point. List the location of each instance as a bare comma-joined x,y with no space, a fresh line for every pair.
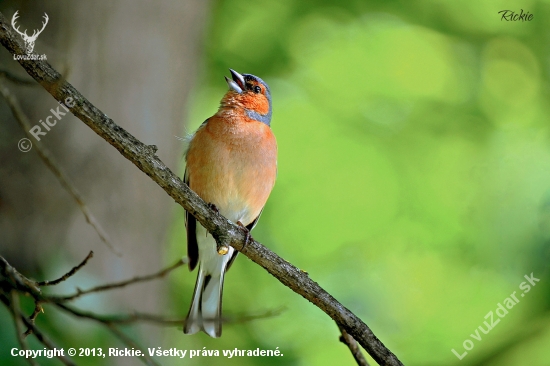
257,89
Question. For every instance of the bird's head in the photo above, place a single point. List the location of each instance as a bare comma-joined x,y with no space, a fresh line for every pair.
250,93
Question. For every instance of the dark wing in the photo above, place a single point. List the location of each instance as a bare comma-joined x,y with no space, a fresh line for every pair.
254,222
191,225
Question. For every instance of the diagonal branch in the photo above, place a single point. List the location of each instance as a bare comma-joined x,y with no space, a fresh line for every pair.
224,231
68,274
38,334
16,310
46,341
37,310
353,347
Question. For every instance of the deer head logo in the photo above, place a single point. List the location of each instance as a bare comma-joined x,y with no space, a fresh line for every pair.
29,40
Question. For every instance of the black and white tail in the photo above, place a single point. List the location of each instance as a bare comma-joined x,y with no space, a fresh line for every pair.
206,308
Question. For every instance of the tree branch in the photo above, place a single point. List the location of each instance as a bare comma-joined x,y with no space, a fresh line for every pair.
111,286
68,274
224,231
45,341
41,337
353,347
13,281
120,319
37,310
13,284
16,310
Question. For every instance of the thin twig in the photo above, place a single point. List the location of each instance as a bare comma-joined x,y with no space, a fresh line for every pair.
353,347
156,319
132,281
68,274
45,341
37,310
11,279
16,310
38,334
120,319
54,167
20,285
245,318
17,281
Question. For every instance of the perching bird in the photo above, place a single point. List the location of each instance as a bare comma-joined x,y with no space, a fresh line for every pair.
232,164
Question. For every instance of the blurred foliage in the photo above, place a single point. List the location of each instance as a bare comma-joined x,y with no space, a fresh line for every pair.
413,181
414,175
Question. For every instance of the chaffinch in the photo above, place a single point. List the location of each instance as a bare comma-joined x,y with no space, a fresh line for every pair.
232,164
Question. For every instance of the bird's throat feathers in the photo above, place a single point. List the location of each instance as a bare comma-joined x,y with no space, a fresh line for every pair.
253,107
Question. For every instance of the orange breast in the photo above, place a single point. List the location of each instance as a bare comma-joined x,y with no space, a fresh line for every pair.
232,163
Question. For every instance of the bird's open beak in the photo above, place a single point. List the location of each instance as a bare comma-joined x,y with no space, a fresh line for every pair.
237,84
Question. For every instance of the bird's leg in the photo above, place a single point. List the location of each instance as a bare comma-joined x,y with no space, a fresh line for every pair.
247,235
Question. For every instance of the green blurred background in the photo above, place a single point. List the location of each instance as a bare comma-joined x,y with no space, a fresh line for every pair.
413,180
414,173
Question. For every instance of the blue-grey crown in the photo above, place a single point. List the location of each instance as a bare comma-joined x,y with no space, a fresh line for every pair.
264,118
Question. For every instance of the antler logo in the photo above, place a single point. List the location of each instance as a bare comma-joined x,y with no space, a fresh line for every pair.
29,40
